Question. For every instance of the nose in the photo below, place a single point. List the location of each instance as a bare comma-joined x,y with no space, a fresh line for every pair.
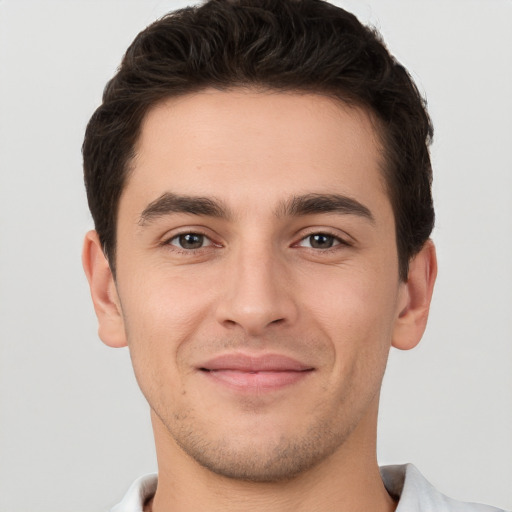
256,293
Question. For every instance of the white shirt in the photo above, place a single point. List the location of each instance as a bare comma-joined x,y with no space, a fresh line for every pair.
405,483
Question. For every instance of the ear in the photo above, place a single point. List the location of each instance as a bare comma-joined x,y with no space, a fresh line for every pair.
415,297
103,292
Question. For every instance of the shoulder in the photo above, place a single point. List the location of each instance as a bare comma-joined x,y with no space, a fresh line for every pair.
416,494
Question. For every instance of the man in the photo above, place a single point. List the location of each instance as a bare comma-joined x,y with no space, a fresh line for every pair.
259,179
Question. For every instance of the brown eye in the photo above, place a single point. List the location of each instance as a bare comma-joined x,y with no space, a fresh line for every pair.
189,241
320,241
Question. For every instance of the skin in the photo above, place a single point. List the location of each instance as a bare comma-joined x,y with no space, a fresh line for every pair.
320,287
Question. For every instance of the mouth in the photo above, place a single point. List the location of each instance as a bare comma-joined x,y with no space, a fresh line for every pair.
268,372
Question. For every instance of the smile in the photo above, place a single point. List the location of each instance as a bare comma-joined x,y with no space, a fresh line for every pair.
255,374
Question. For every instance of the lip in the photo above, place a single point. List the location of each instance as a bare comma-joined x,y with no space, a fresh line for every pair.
249,363
265,372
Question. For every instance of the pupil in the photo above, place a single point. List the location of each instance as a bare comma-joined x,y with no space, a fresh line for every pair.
191,241
321,241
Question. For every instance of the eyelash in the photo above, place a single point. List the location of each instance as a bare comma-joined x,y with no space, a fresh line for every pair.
337,241
168,242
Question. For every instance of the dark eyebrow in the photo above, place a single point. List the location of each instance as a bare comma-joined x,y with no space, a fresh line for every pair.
310,204
173,203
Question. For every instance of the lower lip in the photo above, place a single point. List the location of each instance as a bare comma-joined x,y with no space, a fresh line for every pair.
256,381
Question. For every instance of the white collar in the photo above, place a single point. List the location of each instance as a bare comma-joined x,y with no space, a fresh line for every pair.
404,483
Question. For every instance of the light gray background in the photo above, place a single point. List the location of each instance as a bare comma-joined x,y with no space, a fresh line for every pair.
74,429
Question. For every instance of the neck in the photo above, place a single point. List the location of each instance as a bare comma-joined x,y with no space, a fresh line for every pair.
348,480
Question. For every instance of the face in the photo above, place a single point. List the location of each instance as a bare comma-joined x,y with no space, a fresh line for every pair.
257,277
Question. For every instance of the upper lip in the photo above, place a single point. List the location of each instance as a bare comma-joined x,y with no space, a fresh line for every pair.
254,363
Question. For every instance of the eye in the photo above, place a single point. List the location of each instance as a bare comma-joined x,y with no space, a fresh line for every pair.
190,241
320,241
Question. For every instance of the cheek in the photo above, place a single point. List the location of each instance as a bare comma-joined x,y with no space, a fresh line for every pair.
163,304
161,315
352,299
356,311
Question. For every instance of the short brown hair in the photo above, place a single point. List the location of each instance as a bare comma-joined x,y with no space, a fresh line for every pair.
285,45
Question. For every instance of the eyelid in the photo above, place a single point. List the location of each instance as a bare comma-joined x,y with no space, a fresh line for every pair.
176,237
188,230
336,242
341,238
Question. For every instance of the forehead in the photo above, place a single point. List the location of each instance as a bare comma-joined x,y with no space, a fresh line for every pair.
242,145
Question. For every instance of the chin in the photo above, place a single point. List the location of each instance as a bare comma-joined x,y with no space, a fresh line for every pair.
263,458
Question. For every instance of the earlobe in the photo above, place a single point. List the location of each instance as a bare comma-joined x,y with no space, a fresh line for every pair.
103,292
416,295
